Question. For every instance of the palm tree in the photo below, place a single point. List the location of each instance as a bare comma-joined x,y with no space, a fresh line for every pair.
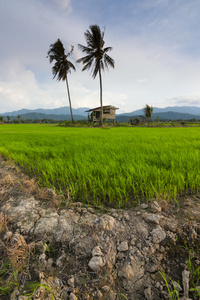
96,56
19,118
148,111
8,119
62,65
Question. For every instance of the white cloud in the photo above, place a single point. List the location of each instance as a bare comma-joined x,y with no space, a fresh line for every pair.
65,4
156,54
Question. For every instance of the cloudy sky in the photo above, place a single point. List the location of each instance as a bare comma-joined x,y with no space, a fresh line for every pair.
156,48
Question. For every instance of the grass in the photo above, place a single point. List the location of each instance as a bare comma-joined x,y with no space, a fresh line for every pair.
116,166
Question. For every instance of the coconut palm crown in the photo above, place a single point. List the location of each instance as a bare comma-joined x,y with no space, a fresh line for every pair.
62,65
96,57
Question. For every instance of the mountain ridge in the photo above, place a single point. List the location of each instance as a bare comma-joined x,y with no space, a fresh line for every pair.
63,113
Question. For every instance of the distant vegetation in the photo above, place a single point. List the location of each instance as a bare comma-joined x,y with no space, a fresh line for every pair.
63,114
112,166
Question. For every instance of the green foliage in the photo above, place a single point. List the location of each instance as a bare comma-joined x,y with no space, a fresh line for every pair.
148,111
116,167
169,283
194,273
9,278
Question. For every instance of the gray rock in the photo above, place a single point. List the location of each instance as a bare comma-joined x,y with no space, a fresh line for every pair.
158,235
97,251
148,293
123,247
72,297
144,206
106,222
96,263
185,280
152,218
155,207
7,236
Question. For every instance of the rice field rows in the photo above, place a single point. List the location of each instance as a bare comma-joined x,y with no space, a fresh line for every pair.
115,166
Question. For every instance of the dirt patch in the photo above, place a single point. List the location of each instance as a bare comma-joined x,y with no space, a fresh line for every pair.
51,251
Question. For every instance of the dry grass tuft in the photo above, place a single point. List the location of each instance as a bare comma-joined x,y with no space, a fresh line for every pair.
45,194
19,251
30,185
7,181
3,222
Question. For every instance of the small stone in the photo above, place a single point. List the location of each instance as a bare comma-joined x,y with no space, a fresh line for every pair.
14,295
97,251
7,236
106,223
84,210
177,286
96,263
126,217
91,210
40,247
155,207
42,256
49,263
70,282
142,230
185,280
98,295
152,218
106,288
64,293
144,206
158,235
123,247
72,297
148,293
59,261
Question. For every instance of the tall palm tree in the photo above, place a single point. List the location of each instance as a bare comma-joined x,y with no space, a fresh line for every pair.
96,56
8,119
148,111
19,118
62,65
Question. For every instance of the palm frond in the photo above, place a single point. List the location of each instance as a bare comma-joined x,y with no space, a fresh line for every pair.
62,65
96,57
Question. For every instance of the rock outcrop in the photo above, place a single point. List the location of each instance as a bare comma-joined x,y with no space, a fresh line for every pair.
75,252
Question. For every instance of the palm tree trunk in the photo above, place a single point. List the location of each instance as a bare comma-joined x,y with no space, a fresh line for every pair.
70,105
101,102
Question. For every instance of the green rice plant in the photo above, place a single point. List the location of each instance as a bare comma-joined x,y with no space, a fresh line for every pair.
33,287
194,272
8,278
121,296
117,166
173,293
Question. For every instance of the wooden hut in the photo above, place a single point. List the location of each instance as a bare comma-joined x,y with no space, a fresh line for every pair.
108,113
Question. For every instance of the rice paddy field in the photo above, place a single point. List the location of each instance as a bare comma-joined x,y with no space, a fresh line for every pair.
117,167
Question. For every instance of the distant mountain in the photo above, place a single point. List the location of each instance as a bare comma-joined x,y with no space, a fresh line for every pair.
170,115
63,113
65,110
40,116
194,110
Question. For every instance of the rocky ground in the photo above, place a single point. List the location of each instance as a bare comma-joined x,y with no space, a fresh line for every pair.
53,250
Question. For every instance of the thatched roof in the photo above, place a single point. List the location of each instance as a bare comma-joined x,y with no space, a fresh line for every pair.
104,107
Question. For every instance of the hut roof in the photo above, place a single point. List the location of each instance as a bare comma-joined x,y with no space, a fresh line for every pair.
104,107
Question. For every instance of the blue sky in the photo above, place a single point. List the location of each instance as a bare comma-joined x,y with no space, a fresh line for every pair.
156,48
